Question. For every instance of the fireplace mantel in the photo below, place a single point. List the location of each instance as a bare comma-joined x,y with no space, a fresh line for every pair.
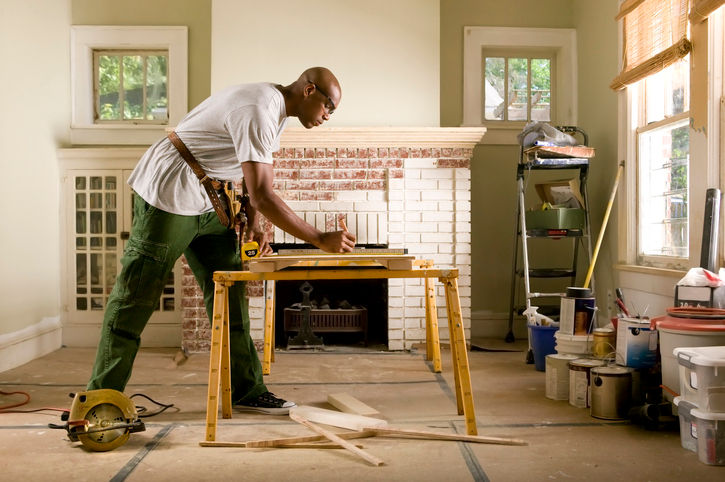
456,137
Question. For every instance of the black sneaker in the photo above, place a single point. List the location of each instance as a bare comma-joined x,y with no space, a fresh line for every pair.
266,403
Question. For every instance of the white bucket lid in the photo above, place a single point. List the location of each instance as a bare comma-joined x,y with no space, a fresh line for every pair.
712,356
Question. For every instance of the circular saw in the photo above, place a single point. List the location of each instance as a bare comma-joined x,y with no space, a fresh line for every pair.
102,420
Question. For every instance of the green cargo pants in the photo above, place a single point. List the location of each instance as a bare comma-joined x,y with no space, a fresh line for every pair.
157,240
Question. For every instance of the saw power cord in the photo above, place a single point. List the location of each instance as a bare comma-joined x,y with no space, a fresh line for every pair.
140,409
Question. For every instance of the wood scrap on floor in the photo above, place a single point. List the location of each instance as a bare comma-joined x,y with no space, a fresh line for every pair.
349,404
337,419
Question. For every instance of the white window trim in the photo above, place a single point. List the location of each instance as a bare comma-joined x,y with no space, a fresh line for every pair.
706,160
86,38
561,40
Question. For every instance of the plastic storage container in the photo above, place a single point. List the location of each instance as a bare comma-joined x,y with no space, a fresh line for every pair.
707,428
573,344
702,376
542,344
684,332
688,428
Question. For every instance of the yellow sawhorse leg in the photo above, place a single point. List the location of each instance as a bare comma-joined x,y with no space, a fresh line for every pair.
219,373
464,390
268,355
432,339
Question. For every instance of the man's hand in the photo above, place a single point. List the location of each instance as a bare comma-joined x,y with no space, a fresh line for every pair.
258,235
337,242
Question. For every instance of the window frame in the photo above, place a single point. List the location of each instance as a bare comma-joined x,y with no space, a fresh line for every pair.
560,41
87,38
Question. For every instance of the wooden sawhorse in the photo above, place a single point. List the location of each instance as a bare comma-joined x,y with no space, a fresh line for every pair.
219,367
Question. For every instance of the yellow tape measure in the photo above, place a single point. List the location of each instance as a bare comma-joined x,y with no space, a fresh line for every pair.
250,250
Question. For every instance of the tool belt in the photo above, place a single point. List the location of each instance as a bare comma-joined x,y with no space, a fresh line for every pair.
229,206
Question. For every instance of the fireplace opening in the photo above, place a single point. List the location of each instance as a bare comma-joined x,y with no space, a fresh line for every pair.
342,312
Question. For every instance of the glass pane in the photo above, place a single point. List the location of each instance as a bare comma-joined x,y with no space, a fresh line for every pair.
111,243
110,200
80,222
168,304
80,201
111,222
96,268
133,87
668,91
110,271
493,88
96,243
664,190
81,290
81,270
80,243
541,90
518,74
110,183
96,183
156,81
97,304
96,200
80,183
96,222
81,304
108,87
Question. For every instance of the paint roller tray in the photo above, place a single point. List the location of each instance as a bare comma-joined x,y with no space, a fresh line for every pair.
557,218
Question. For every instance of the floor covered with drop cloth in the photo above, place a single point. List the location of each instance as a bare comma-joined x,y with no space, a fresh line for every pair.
564,442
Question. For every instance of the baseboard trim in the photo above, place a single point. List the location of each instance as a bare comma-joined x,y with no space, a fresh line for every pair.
35,341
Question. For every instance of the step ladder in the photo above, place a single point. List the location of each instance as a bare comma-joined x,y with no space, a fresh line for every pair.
531,161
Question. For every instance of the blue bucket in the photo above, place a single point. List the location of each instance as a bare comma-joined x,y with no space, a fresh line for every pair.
542,344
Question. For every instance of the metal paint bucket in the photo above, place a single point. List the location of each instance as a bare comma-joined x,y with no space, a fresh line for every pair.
611,392
579,370
557,375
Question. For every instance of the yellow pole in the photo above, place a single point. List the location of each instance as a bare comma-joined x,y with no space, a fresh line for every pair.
604,225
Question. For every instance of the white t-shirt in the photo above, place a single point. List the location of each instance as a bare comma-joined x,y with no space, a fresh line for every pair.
239,124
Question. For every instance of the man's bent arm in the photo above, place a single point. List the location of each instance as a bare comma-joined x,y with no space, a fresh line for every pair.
258,177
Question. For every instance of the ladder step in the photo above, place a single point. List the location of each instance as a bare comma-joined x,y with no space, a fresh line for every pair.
552,273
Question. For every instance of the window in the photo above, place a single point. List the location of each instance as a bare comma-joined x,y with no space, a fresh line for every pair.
131,86
515,75
526,83
663,149
128,83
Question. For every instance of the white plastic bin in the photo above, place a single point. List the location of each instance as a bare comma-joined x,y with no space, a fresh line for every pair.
702,376
573,344
688,428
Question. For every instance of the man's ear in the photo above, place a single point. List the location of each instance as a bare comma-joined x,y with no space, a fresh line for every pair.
308,89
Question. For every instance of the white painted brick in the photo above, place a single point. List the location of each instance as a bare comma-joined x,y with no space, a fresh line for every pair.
415,313
302,206
371,206
463,216
394,290
336,207
421,185
411,324
415,292
462,227
377,196
463,196
411,238
462,248
395,302
256,302
464,291
420,227
396,312
445,185
446,228
396,216
419,163
445,206
436,195
411,174
463,206
421,206
395,228
396,206
464,280
438,173
396,184
395,323
440,238
413,302
412,195
463,237
465,302
443,260
395,345
413,216
396,282
395,239
395,195
463,174
445,248
415,334
423,249
396,334
462,185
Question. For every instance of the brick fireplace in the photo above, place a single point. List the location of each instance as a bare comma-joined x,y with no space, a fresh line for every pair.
401,187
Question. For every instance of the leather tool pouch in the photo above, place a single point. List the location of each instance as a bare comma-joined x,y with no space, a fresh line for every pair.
229,206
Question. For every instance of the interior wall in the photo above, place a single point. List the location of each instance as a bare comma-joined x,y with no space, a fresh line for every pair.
35,100
195,14
385,54
493,168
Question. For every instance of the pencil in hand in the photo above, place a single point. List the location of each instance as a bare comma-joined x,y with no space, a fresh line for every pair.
341,222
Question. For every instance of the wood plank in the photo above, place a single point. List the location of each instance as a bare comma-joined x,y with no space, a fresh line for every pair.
334,438
393,432
349,404
337,419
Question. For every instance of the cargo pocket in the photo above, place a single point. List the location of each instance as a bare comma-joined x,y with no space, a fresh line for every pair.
143,272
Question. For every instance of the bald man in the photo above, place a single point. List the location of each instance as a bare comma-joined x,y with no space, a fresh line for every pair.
231,135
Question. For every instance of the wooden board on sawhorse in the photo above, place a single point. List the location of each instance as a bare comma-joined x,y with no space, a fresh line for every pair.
219,368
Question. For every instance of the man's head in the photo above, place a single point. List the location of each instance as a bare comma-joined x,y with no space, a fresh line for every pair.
313,97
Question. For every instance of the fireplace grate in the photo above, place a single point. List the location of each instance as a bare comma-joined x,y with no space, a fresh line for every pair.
348,321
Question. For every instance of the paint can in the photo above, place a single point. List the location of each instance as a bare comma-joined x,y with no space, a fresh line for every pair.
611,392
576,313
603,344
557,375
579,374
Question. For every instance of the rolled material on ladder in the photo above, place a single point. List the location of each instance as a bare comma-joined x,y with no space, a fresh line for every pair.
708,253
604,225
